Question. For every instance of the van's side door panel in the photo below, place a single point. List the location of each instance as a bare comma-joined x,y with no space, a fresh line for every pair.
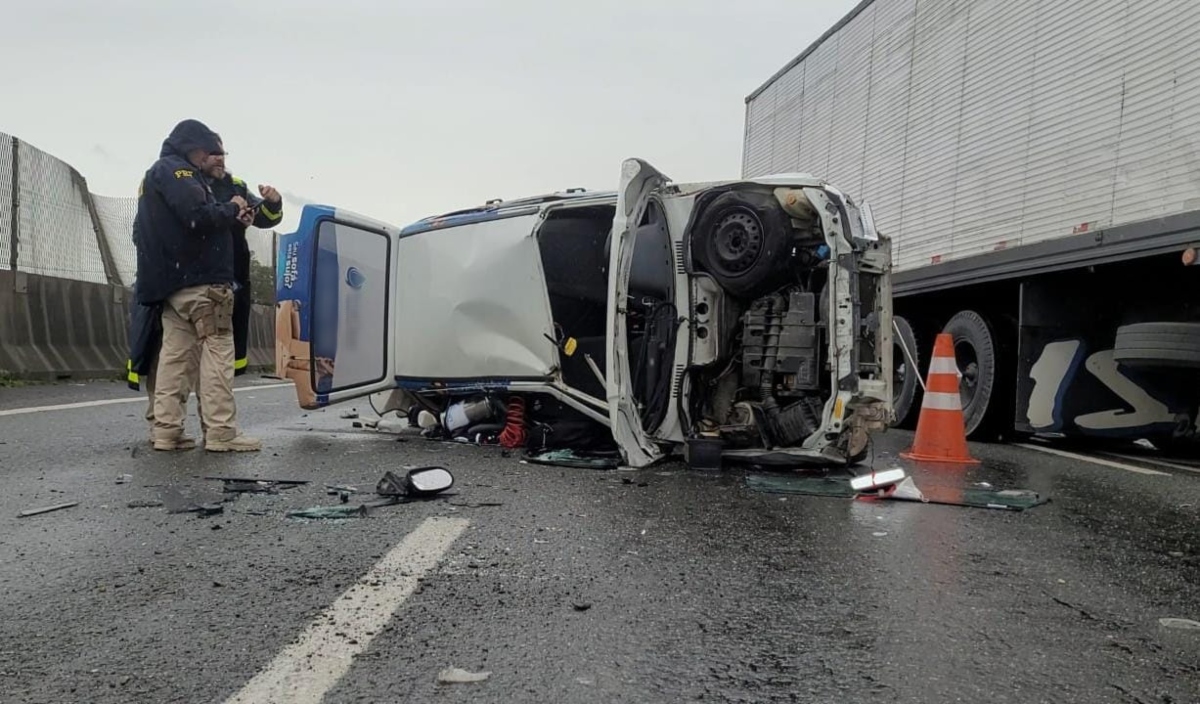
335,307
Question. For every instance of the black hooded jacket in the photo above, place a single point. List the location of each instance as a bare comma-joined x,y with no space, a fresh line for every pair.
183,234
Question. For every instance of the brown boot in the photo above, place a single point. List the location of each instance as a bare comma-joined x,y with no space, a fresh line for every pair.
241,443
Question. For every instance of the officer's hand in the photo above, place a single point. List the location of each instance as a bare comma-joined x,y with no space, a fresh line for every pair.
270,194
241,202
246,217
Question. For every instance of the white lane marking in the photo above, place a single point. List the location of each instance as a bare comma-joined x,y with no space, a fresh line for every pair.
1155,461
304,671
1094,460
112,401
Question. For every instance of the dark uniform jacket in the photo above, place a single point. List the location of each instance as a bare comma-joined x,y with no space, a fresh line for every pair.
183,233
185,237
145,322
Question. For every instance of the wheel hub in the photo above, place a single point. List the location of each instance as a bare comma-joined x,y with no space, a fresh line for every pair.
738,241
968,365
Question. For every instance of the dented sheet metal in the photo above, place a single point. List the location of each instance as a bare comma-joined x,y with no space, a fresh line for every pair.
495,321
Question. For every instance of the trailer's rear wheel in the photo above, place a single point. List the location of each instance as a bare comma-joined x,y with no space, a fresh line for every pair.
905,371
976,354
1158,345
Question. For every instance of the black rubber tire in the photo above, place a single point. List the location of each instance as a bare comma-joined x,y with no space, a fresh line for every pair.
969,329
1149,345
905,394
743,239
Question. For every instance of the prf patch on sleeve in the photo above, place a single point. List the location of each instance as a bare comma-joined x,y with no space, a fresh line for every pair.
184,173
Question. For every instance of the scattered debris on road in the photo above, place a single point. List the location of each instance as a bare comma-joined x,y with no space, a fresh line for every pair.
893,485
144,503
237,486
1180,623
250,480
481,504
350,414
177,503
47,509
570,458
331,512
124,479
455,675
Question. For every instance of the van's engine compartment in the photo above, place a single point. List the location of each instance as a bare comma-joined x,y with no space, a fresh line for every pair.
767,252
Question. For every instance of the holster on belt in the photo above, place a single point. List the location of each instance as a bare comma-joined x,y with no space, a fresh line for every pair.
216,317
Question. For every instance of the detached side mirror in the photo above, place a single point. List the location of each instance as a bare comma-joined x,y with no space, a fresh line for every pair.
417,483
428,481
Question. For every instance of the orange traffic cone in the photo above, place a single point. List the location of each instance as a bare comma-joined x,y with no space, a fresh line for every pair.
941,429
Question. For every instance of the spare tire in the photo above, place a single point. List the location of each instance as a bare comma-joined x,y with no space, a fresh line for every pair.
743,239
1158,345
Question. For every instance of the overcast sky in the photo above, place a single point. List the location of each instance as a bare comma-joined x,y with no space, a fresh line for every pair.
404,109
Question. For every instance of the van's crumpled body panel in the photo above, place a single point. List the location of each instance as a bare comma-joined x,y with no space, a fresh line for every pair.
756,314
475,302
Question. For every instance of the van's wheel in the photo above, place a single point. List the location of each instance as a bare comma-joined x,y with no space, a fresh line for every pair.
906,372
1158,345
977,357
743,240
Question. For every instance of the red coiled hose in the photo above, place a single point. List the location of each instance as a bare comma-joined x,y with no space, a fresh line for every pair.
514,424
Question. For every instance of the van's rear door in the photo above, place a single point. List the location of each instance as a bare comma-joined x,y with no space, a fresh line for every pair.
334,310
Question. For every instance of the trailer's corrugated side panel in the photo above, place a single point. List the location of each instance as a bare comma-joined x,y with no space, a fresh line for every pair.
819,72
1182,180
887,114
927,208
1152,170
851,98
789,103
1076,118
980,125
760,137
993,137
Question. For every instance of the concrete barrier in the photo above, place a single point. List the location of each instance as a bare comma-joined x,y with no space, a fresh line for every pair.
52,328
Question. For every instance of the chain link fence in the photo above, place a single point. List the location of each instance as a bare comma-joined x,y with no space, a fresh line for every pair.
52,225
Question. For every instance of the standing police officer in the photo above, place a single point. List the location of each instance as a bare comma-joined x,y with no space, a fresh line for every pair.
184,239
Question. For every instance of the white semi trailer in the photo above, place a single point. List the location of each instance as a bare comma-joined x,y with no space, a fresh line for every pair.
1036,164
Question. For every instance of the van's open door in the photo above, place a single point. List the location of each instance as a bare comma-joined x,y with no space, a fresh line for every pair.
334,309
638,181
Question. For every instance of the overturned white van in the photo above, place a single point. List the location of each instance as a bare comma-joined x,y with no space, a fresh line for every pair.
752,314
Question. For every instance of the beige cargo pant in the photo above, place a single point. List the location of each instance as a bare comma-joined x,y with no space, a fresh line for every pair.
197,334
192,385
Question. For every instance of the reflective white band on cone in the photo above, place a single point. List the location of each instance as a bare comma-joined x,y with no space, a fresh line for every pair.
943,365
941,401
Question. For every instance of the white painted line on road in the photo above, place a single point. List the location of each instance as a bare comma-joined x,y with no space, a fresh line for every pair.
304,671
1094,460
113,401
1155,461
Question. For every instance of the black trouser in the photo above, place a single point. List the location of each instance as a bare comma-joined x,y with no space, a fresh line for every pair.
241,328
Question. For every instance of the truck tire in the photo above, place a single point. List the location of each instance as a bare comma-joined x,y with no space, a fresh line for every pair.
743,239
977,356
1158,345
905,381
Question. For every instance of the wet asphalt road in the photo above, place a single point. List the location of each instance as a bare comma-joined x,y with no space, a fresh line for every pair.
659,585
